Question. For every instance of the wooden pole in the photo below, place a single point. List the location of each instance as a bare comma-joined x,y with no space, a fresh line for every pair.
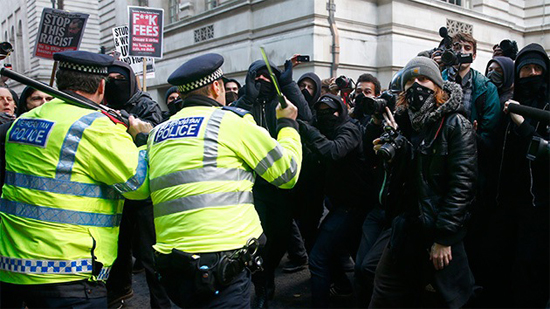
54,69
144,75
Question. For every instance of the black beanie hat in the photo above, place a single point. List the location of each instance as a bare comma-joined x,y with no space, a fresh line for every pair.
532,58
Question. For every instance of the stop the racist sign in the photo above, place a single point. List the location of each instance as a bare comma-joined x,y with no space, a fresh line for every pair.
146,31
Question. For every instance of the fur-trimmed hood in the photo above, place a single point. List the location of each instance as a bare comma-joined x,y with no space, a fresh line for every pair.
453,104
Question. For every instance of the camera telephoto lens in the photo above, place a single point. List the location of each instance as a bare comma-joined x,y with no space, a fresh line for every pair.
386,152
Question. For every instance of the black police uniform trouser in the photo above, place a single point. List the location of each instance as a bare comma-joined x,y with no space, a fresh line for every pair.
183,290
275,214
137,232
77,294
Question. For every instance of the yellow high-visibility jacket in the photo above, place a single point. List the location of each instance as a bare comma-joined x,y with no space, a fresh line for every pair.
202,165
68,170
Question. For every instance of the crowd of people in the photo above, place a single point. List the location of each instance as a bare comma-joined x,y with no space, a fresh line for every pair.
432,191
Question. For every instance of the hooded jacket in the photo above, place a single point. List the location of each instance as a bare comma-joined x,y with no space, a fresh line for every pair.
140,104
341,153
506,90
317,81
263,109
525,182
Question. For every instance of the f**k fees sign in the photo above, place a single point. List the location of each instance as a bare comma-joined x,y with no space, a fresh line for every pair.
146,31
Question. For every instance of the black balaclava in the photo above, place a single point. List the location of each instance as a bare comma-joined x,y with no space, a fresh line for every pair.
327,122
117,91
417,95
532,90
267,89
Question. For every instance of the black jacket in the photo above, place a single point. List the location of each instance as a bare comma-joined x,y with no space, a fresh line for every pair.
524,182
341,155
142,106
263,109
435,170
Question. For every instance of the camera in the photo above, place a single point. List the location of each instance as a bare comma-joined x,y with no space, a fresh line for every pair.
5,48
445,50
376,106
450,57
391,142
344,82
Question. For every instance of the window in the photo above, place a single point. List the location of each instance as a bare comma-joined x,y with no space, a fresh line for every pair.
455,26
204,33
455,2
173,11
210,4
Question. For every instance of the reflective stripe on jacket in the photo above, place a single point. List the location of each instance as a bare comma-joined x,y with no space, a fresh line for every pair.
68,170
202,168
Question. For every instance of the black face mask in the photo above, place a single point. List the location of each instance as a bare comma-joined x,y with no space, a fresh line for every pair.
417,95
326,119
530,87
230,97
117,92
496,78
266,88
175,106
307,96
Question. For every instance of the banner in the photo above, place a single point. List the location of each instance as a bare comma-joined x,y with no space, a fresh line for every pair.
146,27
120,36
59,31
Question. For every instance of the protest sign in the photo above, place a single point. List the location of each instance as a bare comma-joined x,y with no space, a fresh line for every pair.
59,31
120,36
146,27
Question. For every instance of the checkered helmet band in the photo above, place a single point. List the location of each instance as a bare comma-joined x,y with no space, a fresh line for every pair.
83,68
201,82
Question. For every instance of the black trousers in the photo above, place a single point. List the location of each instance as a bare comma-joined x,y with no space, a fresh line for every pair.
275,214
410,280
77,294
137,235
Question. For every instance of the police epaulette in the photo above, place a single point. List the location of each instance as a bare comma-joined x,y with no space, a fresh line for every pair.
237,110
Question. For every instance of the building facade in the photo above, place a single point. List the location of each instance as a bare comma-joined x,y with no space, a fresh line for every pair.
372,36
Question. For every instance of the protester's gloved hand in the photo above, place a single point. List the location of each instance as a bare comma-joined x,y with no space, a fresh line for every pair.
307,131
251,88
286,76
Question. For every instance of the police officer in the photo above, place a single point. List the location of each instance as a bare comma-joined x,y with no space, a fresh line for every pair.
68,170
203,164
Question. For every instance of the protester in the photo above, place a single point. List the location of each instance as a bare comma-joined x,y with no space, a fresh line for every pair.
31,98
337,140
137,230
521,224
433,170
272,204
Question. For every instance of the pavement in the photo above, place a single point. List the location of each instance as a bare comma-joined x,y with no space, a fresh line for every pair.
292,291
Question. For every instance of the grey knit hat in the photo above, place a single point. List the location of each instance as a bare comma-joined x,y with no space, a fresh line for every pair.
422,66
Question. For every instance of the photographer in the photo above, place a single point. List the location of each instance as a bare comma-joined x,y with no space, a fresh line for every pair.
523,191
431,179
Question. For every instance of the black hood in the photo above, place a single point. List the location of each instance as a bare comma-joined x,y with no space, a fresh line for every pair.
341,107
22,104
537,48
507,66
318,85
260,64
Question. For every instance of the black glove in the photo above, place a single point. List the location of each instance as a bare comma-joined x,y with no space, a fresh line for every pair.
251,88
286,76
307,131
